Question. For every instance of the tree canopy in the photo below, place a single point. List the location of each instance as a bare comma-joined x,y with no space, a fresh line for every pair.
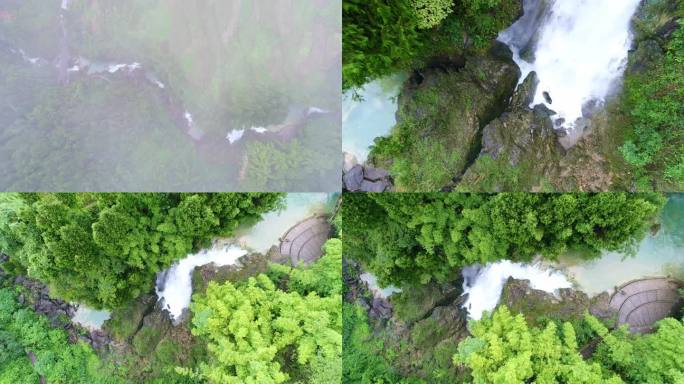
25,336
105,249
505,350
381,37
414,238
259,333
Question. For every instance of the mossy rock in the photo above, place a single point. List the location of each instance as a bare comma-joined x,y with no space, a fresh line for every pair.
443,112
248,265
414,304
124,322
167,352
146,340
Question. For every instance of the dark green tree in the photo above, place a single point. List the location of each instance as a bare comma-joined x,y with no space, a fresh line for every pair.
105,249
381,37
414,238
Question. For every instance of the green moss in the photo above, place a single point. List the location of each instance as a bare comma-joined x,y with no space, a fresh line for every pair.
146,340
167,352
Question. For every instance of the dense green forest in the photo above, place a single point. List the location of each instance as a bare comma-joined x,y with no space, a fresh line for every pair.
383,37
420,243
258,323
104,250
415,238
464,123
84,127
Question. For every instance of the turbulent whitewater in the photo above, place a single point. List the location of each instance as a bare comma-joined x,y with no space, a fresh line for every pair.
174,286
483,285
578,48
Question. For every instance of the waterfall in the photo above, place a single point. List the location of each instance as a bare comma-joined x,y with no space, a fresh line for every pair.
483,285
578,48
174,286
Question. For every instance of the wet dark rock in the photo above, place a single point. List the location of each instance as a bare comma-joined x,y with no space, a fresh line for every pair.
374,174
542,111
361,178
373,186
524,95
501,51
353,178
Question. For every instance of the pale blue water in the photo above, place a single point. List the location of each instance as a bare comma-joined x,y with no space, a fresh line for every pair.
90,318
656,256
299,206
374,116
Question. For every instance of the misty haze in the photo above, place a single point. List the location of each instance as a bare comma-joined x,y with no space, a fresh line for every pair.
99,95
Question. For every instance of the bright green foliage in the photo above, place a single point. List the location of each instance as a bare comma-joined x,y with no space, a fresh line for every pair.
505,350
431,12
429,167
379,37
649,359
382,37
655,101
258,334
323,277
413,238
24,334
105,249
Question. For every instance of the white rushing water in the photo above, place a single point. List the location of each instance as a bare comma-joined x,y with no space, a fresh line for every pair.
372,282
580,52
174,286
484,284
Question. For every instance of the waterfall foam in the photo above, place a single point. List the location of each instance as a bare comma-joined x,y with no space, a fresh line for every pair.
174,286
578,49
483,285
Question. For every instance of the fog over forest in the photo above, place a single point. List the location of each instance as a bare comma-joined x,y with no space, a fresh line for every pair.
170,95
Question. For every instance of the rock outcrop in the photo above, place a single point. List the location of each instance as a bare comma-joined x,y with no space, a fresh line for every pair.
361,178
570,304
426,323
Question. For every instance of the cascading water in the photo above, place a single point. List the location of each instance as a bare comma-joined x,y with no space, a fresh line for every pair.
578,48
483,285
174,286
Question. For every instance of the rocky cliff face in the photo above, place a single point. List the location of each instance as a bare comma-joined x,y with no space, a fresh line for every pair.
445,109
478,113
424,323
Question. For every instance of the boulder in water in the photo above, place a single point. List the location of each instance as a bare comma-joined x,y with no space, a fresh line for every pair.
524,95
